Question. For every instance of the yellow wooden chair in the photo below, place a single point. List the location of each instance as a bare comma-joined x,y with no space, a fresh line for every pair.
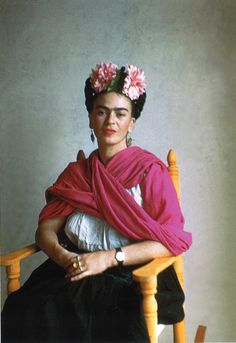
146,275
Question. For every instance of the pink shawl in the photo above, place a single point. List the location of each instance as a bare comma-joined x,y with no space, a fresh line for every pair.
100,190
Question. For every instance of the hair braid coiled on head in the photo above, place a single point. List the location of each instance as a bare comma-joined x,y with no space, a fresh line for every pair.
137,105
90,96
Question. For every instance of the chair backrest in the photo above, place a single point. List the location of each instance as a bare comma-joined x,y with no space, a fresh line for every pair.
179,328
174,174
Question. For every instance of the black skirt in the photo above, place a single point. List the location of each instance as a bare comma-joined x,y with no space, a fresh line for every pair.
100,308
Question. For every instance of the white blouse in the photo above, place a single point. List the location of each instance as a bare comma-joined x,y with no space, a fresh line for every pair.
92,234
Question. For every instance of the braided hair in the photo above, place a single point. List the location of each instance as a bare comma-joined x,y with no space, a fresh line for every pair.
90,96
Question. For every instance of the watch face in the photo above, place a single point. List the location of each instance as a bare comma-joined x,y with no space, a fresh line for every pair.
120,256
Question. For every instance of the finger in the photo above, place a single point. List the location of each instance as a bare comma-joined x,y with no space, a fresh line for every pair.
72,271
75,263
80,276
75,258
81,266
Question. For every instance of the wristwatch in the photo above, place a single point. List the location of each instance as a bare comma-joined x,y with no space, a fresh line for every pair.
119,256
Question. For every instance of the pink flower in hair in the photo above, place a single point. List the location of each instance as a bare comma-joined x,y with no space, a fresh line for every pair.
102,76
134,84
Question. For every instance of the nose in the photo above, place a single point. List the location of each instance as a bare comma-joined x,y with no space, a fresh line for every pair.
111,118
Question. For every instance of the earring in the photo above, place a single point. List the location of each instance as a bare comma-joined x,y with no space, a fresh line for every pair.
92,136
128,139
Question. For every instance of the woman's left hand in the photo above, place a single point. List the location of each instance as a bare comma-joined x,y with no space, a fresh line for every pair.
87,264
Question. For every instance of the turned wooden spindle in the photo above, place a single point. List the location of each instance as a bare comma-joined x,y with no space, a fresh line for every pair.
148,290
174,174
179,328
13,277
174,171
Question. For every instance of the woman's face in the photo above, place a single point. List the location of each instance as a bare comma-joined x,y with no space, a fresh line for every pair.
111,120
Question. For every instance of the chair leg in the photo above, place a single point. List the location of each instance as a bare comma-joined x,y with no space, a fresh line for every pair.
179,332
148,290
200,334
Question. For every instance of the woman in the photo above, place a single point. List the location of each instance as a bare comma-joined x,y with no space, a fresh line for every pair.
104,216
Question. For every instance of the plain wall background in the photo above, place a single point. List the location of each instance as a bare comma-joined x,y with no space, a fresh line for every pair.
187,49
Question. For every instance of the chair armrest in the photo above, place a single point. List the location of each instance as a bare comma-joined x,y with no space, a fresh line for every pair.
12,263
18,255
153,268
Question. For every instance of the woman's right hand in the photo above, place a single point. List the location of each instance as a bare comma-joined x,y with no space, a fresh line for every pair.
90,263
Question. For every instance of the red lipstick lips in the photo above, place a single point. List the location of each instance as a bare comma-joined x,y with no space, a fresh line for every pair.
109,131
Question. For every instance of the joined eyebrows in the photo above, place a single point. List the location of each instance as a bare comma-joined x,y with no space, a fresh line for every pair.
112,109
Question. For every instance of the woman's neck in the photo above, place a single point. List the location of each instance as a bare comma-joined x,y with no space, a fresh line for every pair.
107,153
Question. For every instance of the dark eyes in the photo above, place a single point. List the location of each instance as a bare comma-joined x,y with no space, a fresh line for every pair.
118,114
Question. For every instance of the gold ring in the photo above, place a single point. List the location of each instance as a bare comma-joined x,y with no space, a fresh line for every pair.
75,265
80,267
